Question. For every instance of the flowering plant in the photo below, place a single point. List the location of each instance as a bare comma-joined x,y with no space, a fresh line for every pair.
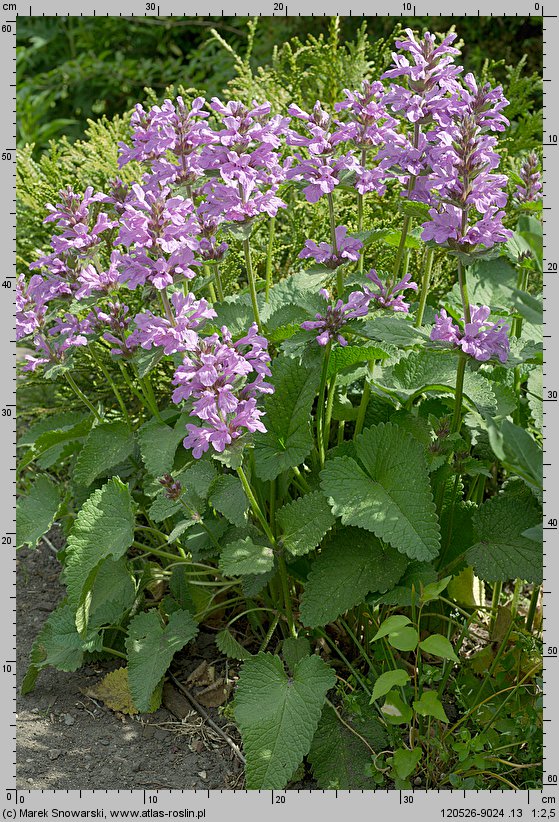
315,452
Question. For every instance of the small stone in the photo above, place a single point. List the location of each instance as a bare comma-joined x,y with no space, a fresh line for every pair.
69,719
161,734
29,779
54,753
104,742
202,774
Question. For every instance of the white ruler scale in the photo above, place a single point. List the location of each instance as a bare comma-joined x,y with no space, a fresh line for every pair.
297,805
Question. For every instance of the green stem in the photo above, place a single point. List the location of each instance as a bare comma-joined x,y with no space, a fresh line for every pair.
498,587
365,396
251,283
329,408
269,252
282,568
426,277
334,241
111,382
156,552
137,393
321,404
167,307
113,652
255,507
363,653
463,285
533,608
360,204
79,393
270,633
457,417
218,283
145,382
208,273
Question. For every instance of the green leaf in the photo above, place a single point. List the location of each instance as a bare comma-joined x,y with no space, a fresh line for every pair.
438,645
429,370
107,445
340,759
230,647
289,436
278,715
145,361
350,565
112,595
304,523
227,496
391,624
501,551
64,421
158,445
430,705
405,762
522,454
418,574
58,644
245,557
530,308
52,437
393,330
103,528
535,396
150,647
404,639
395,711
36,512
434,589
387,681
387,491
294,649
348,355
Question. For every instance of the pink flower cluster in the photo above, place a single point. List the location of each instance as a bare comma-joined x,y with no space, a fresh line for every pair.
479,338
214,377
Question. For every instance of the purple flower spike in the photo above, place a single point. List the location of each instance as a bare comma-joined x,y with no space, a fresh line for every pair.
329,325
480,338
389,296
348,250
215,377
531,189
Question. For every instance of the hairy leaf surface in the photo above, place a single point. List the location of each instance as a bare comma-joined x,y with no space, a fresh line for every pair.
151,647
386,491
304,522
106,446
278,715
351,564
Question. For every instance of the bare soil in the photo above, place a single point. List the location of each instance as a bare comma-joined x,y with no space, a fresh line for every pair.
66,739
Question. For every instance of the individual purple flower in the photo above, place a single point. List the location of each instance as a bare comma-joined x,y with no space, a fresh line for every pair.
329,324
90,279
530,188
348,250
389,296
479,338
444,329
177,333
215,376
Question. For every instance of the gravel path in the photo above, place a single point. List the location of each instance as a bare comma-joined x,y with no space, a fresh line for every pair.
67,740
